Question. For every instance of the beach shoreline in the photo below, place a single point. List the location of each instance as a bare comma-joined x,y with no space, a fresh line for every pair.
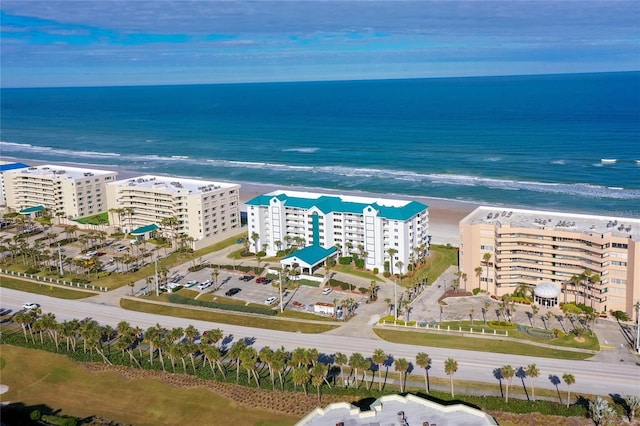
444,214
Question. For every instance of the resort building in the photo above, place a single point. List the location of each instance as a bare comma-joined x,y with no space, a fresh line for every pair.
363,226
563,257
67,191
6,166
398,410
203,211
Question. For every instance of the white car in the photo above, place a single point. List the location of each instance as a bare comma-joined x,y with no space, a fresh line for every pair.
29,306
327,291
205,284
271,300
92,252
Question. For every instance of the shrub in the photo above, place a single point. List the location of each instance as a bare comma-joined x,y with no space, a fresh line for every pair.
32,271
387,318
59,421
476,291
558,333
261,253
503,325
360,263
386,274
411,323
376,271
345,260
363,290
35,415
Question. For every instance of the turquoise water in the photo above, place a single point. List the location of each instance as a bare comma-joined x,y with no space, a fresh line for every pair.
530,141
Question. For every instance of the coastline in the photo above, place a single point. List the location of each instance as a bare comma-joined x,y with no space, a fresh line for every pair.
444,215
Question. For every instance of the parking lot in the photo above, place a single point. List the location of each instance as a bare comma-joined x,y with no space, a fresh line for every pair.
302,298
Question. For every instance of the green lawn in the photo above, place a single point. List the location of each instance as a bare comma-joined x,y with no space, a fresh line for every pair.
99,219
37,378
475,344
46,289
440,258
226,318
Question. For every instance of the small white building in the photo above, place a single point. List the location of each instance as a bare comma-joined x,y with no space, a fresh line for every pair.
205,211
364,226
324,308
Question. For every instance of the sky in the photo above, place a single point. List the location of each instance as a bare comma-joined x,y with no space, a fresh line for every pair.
139,42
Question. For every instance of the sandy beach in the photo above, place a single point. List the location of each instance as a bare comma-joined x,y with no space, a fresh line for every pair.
444,215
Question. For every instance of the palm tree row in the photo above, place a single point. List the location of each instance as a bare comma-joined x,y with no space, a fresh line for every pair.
188,351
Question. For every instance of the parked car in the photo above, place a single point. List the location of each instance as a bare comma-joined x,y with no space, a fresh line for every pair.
260,280
205,284
233,291
271,300
246,278
192,283
120,249
92,252
327,291
29,306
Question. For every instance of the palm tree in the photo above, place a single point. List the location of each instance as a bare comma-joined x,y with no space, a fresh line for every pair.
340,360
266,356
356,360
485,261
532,372
423,361
255,237
378,358
301,376
507,372
279,363
569,379
450,367
213,356
249,357
391,252
212,336
402,365
235,354
318,373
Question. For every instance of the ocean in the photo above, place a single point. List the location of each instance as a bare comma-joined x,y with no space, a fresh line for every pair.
533,141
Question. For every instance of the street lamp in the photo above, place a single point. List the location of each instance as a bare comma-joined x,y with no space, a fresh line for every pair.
638,327
156,276
395,298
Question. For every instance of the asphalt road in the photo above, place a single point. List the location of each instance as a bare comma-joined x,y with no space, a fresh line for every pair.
592,377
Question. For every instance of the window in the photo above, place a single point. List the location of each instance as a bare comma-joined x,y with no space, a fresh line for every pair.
486,248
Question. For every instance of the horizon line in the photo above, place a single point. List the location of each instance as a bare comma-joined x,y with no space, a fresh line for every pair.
324,80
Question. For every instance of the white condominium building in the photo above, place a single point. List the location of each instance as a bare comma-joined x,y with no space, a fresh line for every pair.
500,249
358,225
76,192
203,210
4,167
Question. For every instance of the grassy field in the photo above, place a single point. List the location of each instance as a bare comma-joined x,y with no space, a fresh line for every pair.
41,378
226,318
475,344
440,258
45,289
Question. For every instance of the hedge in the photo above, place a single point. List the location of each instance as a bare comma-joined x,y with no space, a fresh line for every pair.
175,298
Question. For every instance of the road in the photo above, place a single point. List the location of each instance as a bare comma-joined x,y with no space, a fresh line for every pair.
592,377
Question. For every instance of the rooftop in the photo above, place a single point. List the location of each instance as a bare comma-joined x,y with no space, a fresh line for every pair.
311,255
8,165
568,222
387,208
62,172
174,184
398,410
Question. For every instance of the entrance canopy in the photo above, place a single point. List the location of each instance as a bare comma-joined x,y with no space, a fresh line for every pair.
145,230
308,257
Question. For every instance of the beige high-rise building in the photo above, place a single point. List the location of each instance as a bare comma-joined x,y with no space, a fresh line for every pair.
205,210
555,249
74,191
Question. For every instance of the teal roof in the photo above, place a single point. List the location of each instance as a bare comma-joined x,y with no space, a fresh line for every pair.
145,229
327,204
312,255
33,209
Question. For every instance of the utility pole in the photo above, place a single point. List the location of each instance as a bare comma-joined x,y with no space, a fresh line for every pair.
60,260
395,298
156,276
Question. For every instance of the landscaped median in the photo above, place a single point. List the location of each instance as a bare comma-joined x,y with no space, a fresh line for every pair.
46,289
487,342
247,320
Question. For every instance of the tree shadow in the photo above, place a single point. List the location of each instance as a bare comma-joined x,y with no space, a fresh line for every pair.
555,380
226,340
498,375
521,374
18,413
530,316
619,400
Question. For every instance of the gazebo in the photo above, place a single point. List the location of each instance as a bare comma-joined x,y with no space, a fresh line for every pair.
546,294
309,258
